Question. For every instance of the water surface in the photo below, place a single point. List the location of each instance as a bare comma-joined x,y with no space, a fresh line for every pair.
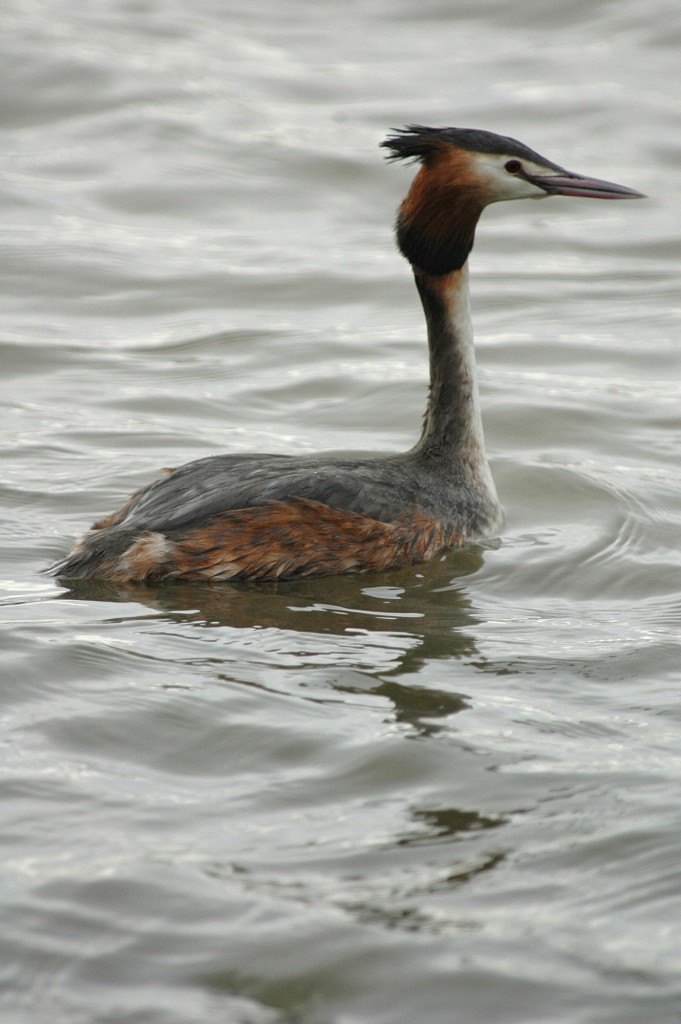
448,793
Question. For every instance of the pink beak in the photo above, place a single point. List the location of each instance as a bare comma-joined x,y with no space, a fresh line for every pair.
568,184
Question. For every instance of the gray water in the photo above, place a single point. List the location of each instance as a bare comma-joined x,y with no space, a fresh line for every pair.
444,794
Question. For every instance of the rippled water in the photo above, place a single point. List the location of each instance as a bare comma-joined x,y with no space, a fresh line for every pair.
444,794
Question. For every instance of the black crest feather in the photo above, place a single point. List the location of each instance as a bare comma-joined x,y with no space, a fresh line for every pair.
419,142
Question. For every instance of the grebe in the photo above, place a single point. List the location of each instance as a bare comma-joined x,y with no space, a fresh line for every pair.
270,517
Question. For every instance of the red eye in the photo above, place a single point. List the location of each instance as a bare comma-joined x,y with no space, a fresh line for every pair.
513,166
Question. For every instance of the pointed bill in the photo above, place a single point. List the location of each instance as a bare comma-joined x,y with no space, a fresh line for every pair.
568,184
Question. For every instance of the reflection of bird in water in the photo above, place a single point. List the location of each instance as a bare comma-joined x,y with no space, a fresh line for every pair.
266,517
428,608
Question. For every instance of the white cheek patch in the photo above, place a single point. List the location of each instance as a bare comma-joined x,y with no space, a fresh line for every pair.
490,169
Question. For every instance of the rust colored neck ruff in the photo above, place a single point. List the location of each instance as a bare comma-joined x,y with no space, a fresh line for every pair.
437,220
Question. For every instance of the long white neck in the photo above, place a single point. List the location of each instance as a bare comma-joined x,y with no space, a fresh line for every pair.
452,429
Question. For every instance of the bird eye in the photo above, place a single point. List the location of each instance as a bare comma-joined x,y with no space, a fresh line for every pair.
513,166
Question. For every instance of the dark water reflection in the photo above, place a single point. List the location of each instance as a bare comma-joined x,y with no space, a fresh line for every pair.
426,604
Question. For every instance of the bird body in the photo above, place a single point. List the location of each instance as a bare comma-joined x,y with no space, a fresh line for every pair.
268,517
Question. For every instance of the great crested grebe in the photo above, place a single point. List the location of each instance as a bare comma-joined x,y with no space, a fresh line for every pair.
270,517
